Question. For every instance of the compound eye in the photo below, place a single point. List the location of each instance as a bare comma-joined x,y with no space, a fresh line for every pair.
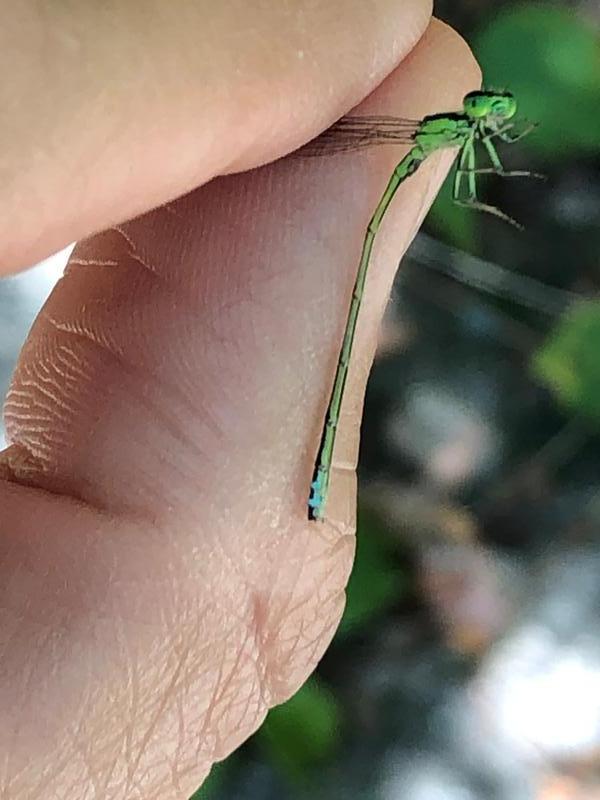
503,106
477,105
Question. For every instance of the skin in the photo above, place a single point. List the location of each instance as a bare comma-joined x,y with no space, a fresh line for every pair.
161,587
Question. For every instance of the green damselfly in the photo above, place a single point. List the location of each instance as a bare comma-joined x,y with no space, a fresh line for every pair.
486,116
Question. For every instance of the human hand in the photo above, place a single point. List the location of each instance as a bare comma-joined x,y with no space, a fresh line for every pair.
161,585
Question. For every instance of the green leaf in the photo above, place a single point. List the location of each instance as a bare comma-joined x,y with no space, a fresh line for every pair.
569,362
548,55
302,732
376,582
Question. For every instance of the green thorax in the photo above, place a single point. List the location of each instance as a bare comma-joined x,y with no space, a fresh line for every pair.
443,130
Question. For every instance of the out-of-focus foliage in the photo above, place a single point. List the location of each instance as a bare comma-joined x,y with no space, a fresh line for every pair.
570,361
303,732
549,57
375,583
211,786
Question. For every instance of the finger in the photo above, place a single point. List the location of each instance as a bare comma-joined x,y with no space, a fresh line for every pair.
177,381
114,108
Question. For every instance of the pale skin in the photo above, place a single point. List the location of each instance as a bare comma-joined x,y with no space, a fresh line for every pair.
160,585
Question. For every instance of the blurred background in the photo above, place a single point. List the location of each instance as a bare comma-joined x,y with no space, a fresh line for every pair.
467,665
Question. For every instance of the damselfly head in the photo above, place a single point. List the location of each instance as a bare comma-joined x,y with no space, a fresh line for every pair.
480,104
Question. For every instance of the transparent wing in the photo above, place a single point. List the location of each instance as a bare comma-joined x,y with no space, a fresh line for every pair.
354,133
